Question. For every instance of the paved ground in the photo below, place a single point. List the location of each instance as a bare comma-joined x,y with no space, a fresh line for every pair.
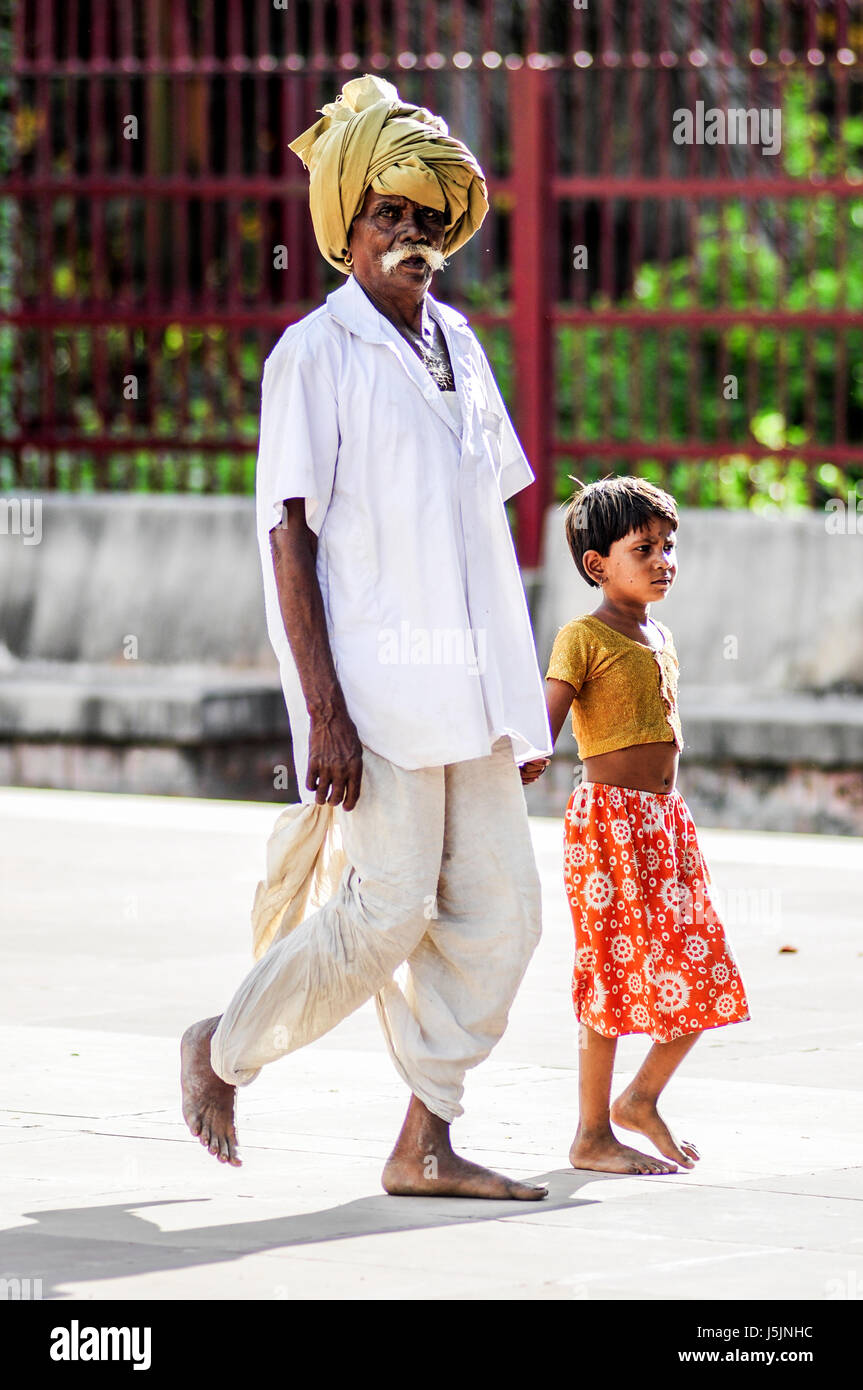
125,918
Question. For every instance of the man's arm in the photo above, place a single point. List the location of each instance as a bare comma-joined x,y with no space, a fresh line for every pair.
335,751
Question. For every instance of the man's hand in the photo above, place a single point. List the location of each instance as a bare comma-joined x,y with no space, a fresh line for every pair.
335,766
531,771
335,759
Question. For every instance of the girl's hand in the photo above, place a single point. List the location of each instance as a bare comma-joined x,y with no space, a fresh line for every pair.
531,771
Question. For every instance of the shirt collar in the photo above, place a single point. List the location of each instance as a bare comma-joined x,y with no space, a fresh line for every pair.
353,308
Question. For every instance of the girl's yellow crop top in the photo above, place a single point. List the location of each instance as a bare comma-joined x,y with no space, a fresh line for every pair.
626,693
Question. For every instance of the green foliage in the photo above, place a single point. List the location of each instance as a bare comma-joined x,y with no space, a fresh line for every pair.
670,383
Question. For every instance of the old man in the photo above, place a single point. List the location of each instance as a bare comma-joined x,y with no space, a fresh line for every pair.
396,610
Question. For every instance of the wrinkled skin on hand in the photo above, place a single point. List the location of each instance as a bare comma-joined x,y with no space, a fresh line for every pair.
335,759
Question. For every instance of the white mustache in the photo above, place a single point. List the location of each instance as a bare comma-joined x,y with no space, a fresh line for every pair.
391,259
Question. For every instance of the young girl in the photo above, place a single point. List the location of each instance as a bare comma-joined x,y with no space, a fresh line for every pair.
651,953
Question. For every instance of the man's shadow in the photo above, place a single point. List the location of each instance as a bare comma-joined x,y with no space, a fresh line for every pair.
82,1244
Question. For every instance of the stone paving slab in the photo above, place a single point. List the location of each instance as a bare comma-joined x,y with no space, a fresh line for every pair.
124,918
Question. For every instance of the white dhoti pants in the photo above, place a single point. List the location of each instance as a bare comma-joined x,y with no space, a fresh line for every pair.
440,879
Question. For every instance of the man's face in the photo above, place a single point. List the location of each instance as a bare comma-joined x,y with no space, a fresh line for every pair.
388,227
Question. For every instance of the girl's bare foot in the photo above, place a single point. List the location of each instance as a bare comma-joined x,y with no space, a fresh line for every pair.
208,1101
602,1153
639,1113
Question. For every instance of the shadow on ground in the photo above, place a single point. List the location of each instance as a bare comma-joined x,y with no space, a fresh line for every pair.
114,1241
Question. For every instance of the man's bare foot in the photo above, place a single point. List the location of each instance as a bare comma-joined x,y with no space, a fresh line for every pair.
208,1101
423,1164
448,1175
639,1113
602,1153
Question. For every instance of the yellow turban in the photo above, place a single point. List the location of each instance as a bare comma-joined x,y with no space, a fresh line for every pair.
370,138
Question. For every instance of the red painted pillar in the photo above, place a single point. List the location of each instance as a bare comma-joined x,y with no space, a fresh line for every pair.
533,244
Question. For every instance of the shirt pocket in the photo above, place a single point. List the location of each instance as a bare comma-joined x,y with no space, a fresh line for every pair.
492,430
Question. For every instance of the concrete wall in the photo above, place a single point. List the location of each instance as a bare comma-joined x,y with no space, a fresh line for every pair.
133,650
767,615
181,574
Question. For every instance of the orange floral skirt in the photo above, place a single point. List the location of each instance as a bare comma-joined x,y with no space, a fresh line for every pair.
650,951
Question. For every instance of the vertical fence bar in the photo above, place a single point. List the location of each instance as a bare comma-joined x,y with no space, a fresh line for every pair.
292,125
430,45
103,393
691,215
607,211
344,38
70,86
634,70
44,202
17,401
722,294
457,89
840,77
752,373
180,211
534,43
236,67
809,258
210,373
375,32
667,58
152,295
532,157
811,58
124,86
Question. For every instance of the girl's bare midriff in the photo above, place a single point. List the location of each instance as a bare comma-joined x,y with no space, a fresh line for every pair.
646,767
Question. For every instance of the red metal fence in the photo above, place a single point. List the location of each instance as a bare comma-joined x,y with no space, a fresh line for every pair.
695,309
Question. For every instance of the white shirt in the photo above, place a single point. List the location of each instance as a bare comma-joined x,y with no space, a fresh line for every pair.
451,399
425,609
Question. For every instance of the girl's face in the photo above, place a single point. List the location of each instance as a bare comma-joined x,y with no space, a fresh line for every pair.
641,566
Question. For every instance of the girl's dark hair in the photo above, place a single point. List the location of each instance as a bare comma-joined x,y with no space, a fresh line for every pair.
604,512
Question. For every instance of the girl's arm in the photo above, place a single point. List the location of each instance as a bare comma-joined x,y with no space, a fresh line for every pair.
559,695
